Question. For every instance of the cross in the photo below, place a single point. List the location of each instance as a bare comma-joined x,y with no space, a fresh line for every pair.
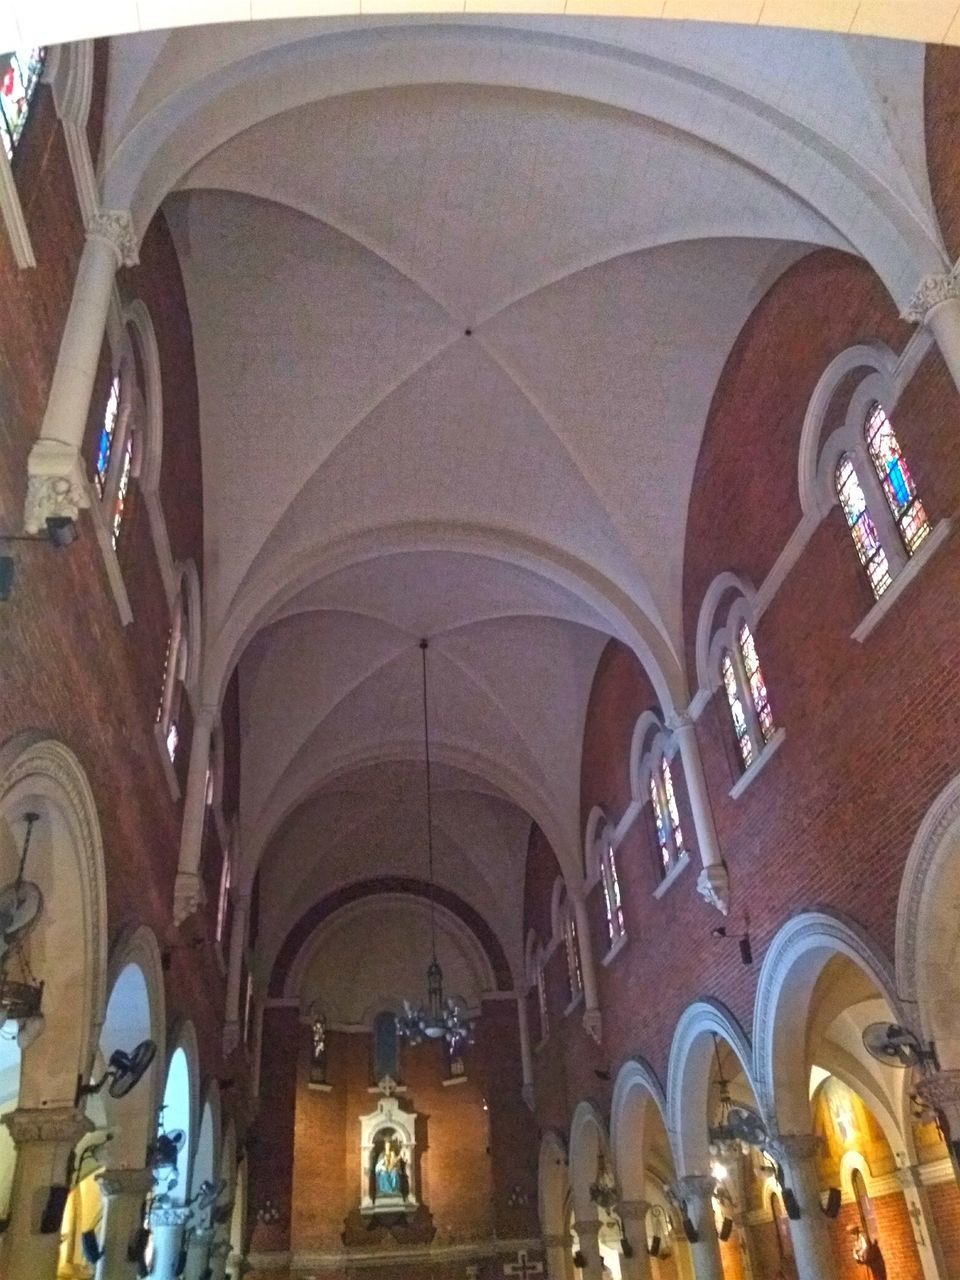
523,1267
916,1213
387,1086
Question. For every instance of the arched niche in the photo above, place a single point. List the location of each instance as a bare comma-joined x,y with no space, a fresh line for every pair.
66,949
179,1110
588,1147
206,1156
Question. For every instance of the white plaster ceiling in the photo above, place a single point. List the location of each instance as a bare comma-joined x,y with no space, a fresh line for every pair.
601,202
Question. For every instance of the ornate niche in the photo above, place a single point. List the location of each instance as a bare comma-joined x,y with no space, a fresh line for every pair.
387,1165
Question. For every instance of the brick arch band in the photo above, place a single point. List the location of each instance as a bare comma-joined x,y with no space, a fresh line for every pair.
320,911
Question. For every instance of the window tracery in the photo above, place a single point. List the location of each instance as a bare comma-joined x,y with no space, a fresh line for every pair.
19,76
666,815
174,675
568,925
895,478
542,1007
747,697
861,526
612,900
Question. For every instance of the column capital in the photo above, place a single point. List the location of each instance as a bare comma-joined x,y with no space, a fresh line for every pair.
115,227
713,885
696,1186
796,1148
121,1182
169,1215
941,1090
588,1229
932,292
39,1124
677,721
56,484
633,1210
188,896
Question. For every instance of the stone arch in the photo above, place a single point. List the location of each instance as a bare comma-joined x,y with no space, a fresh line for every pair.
791,968
67,949
689,1077
588,1141
135,1011
181,1095
927,925
635,1090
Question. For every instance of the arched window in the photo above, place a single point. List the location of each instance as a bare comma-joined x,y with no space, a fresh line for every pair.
19,77
612,901
115,462
895,478
541,981
747,696
666,815
385,1047
568,925
862,529
223,896
174,675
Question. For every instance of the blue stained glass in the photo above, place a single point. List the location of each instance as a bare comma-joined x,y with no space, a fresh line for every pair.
19,76
105,444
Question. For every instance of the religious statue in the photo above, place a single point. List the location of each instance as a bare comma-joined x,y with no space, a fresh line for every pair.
318,1048
868,1254
389,1169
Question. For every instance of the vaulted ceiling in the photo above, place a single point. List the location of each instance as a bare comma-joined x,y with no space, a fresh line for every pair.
461,291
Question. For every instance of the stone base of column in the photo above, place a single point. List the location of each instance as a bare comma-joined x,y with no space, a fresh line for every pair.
56,485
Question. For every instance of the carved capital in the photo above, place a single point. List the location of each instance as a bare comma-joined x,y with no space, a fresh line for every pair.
941,1092
696,1187
588,1230
188,896
593,1024
633,1210
56,485
37,1124
169,1216
931,292
678,720
125,1182
713,885
115,226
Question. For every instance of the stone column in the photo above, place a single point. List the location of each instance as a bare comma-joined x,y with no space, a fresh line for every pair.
188,893
812,1246
168,1225
219,1252
588,1234
591,1015
44,1140
936,304
526,1057
56,484
123,1192
713,883
696,1190
633,1215
737,1211
198,1253
557,1250
924,1226
238,940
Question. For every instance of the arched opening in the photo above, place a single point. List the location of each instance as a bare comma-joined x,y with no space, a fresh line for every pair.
554,1201
175,1119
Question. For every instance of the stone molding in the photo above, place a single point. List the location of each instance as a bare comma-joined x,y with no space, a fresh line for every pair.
115,226
56,1125
931,292
698,1187
796,1148
169,1215
633,1210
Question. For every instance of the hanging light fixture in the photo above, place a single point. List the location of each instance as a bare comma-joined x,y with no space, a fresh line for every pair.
440,1018
736,1128
603,1190
21,903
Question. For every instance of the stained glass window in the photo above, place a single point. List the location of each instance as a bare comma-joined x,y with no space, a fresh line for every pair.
740,728
666,815
864,531
542,999
756,682
895,477
19,76
105,445
223,896
573,952
612,901
173,741
123,484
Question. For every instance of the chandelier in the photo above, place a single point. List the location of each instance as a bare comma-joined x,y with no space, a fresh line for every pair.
603,1191
440,1018
736,1128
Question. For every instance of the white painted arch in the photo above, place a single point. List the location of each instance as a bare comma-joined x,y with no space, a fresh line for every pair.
636,1090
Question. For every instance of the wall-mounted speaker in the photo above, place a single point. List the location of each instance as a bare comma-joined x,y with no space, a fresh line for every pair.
653,1248
791,1205
689,1230
52,1217
832,1207
726,1228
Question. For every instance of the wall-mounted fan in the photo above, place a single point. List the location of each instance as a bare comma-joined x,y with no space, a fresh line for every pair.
208,1194
897,1046
165,1149
124,1071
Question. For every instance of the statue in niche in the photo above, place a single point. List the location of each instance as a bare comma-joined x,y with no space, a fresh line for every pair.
388,1174
318,1048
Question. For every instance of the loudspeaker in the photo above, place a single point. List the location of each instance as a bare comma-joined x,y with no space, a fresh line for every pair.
90,1245
726,1227
61,531
579,1260
653,1248
137,1248
832,1207
6,577
689,1230
626,1248
746,951
181,1263
791,1205
52,1216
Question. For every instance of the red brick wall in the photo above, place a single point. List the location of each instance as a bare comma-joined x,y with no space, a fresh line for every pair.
71,670
942,120
476,1141
944,1200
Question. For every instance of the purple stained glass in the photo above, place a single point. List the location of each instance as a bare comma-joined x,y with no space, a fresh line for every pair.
755,681
19,76
895,478
660,819
573,953
611,895
672,809
105,445
863,530
736,710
